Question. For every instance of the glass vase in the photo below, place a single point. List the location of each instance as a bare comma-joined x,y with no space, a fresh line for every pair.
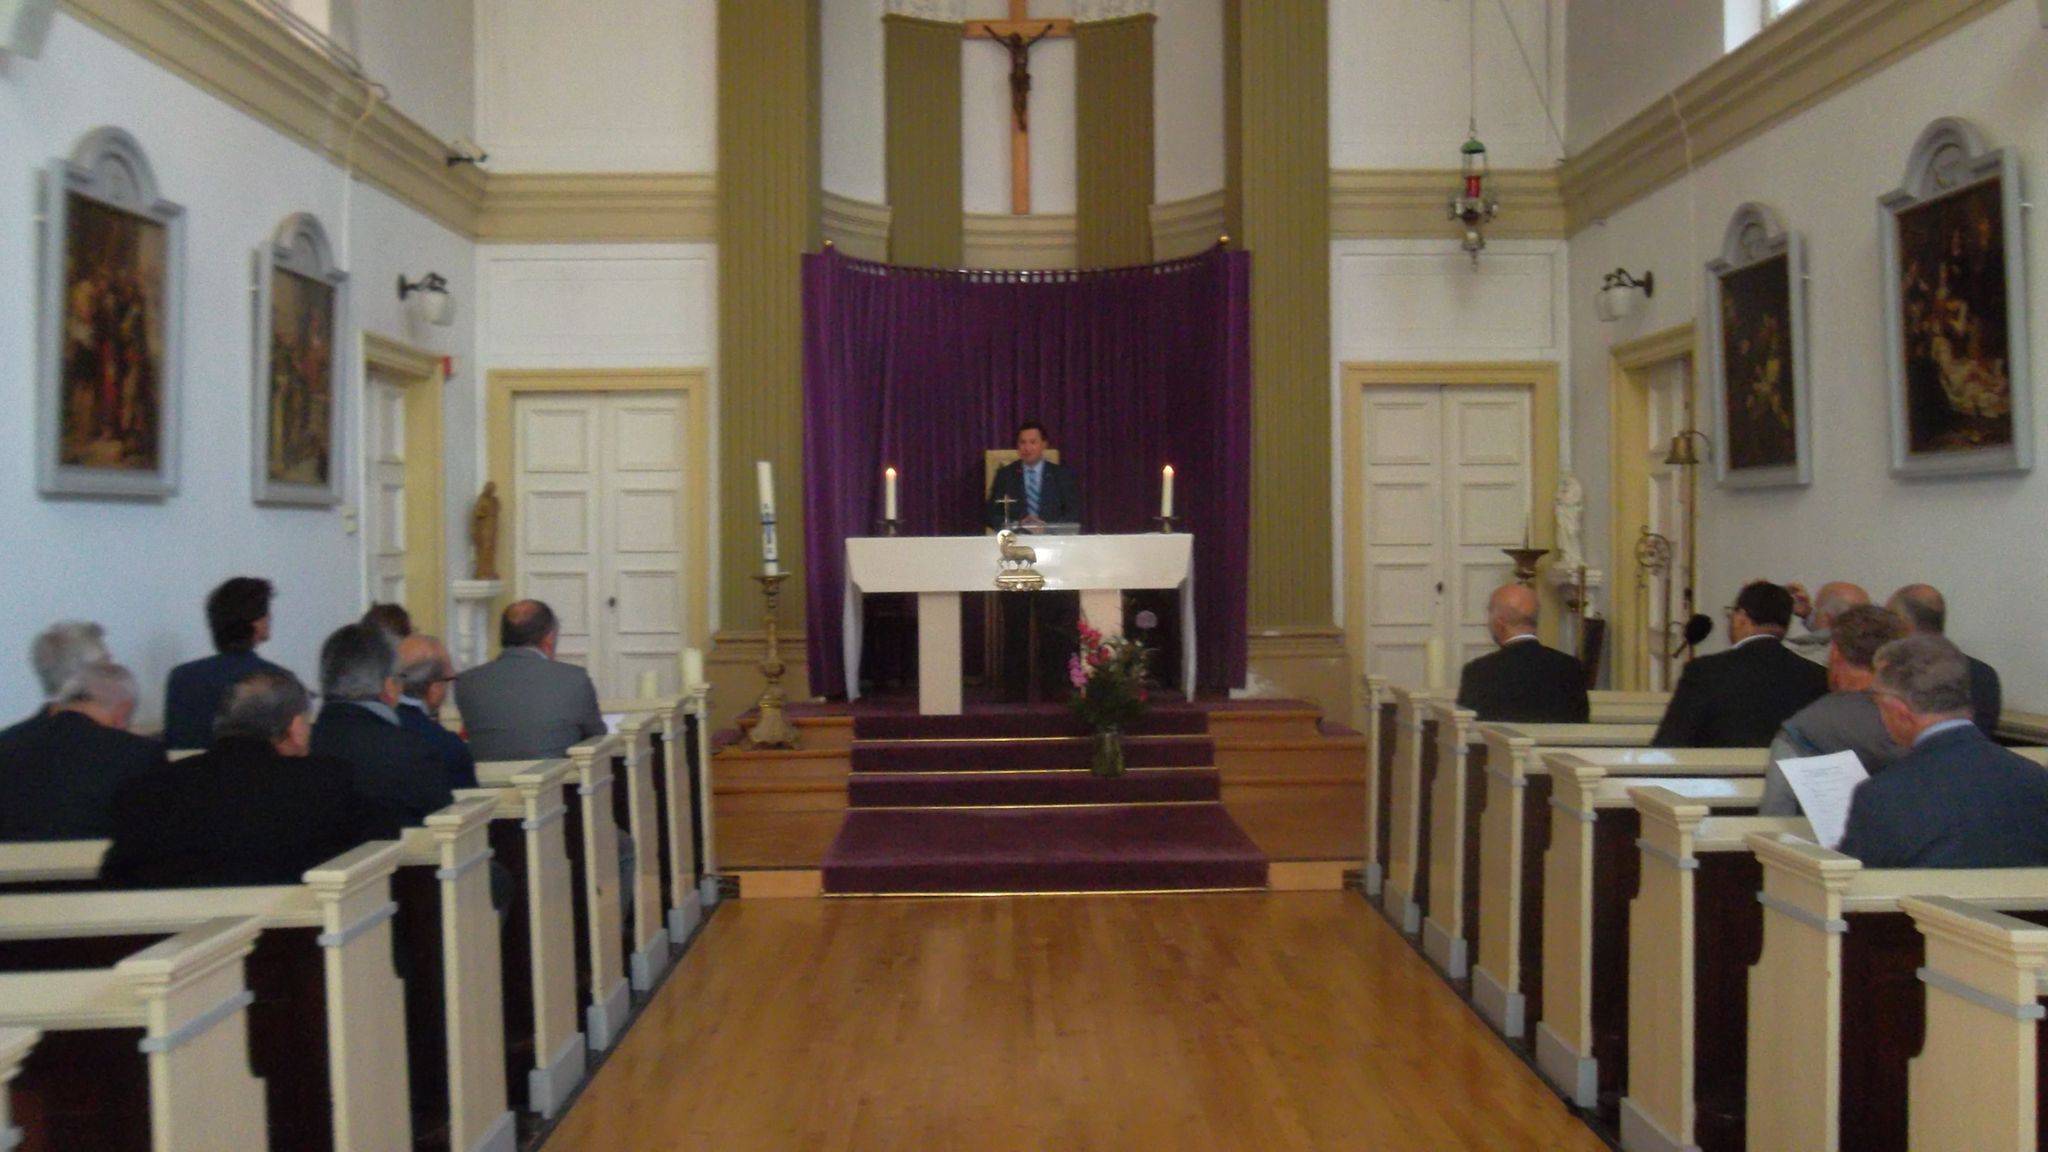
1109,752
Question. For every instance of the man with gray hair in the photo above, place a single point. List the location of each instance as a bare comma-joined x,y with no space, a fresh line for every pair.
59,769
1847,718
1819,613
62,649
1955,800
255,809
1522,681
424,670
1925,612
359,724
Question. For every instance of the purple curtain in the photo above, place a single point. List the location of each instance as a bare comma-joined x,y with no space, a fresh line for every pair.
1129,369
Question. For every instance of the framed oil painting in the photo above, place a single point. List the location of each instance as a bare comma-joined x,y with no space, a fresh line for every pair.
1756,354
1956,309
301,314
109,324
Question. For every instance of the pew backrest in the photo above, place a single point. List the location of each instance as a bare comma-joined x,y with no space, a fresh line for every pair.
1611,707
50,862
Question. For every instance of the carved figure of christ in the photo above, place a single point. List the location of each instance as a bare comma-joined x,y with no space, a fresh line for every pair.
1017,35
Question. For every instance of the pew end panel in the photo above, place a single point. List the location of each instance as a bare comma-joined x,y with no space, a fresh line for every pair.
610,995
672,781
1444,939
559,1045
366,1052
1378,728
646,941
1407,796
1976,1083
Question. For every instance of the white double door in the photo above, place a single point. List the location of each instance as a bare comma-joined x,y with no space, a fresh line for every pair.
1446,480
599,496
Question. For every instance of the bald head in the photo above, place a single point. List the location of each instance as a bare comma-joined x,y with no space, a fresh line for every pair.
424,669
1922,608
528,624
1511,612
1834,598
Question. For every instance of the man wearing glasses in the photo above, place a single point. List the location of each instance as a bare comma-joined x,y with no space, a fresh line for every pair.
1739,698
424,672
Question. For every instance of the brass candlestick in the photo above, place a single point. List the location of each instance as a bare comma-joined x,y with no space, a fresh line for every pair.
772,728
1525,559
1167,524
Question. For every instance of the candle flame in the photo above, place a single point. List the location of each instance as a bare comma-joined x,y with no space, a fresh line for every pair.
890,472
1169,469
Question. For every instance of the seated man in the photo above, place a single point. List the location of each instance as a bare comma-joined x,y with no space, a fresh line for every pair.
1955,799
1819,612
526,705
1522,681
1040,491
1739,698
359,724
256,809
424,671
1925,612
238,614
59,770
62,651
1847,718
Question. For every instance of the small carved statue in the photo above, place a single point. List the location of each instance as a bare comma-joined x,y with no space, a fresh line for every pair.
1571,510
483,532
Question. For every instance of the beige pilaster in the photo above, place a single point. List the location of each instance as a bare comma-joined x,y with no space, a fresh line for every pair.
1113,141
921,61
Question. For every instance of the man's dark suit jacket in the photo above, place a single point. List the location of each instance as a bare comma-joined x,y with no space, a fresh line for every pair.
393,767
1739,698
1059,495
1526,682
454,750
192,699
1955,801
1987,697
59,772
239,814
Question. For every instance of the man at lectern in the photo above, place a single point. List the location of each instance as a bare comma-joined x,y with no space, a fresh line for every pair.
1041,492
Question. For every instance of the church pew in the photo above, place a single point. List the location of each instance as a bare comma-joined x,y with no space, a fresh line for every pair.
1612,707
51,865
1379,734
545,1051
635,808
1836,1008
15,1045
1408,796
1453,842
1694,930
675,727
1589,879
594,851
150,1051
1977,1081
327,1029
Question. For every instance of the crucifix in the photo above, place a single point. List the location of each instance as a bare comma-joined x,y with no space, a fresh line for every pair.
1017,35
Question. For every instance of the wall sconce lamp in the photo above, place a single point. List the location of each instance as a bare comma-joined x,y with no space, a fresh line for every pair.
1618,299
434,305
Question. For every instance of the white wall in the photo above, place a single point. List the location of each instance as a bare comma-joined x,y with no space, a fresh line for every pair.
1187,99
855,152
1401,89
598,85
424,53
143,569
1823,171
1626,54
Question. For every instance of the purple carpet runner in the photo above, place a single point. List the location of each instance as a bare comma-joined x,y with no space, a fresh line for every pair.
1004,802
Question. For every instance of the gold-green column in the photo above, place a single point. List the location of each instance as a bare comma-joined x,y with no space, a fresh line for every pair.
768,211
1277,173
1113,141
927,219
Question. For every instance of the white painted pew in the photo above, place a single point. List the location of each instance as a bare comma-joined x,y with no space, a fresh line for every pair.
50,863
680,805
1414,756
15,1045
1592,830
1977,1081
648,943
189,996
1379,730
1514,836
1463,761
1817,904
610,996
348,902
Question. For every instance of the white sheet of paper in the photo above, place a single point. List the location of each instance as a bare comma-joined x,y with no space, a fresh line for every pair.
1825,785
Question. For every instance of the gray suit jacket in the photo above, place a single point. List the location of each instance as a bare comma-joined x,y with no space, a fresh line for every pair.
524,706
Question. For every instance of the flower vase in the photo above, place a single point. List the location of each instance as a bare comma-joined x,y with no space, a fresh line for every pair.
1109,752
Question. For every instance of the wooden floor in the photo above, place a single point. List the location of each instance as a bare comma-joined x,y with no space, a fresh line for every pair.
1274,1021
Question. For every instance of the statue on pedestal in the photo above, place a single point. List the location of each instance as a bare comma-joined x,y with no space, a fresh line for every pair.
1571,511
483,532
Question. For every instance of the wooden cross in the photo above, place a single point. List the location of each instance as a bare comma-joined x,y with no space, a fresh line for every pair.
1017,34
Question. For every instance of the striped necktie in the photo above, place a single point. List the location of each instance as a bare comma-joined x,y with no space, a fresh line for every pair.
1031,490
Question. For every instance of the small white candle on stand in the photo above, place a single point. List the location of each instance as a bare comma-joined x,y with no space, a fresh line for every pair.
693,668
1434,657
1166,493
888,494
764,473
650,685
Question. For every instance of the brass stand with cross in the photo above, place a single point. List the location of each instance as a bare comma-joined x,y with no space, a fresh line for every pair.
1017,35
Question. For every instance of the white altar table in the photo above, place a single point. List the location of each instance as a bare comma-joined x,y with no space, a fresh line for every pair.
939,568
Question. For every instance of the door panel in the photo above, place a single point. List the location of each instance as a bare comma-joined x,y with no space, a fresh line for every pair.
644,484
555,454
384,528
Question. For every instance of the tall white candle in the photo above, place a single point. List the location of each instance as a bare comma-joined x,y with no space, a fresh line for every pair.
693,668
764,474
888,494
650,684
1166,492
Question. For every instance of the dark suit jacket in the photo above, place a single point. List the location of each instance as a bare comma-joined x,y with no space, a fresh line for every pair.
1524,681
192,698
1059,495
1739,698
393,767
455,755
524,706
59,772
1955,801
240,814
1987,697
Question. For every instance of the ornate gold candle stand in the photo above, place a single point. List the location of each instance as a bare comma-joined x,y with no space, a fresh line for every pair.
772,728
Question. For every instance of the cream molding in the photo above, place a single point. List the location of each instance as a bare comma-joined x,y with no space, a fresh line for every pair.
858,227
1407,203
1095,11
1814,51
944,11
1016,242
639,207
1187,227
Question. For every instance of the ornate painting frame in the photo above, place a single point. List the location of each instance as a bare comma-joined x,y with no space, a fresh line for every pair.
1758,369
1957,408
301,319
110,336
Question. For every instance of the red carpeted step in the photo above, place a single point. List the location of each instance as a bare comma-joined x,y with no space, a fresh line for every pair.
1020,720
955,789
1112,849
1025,754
